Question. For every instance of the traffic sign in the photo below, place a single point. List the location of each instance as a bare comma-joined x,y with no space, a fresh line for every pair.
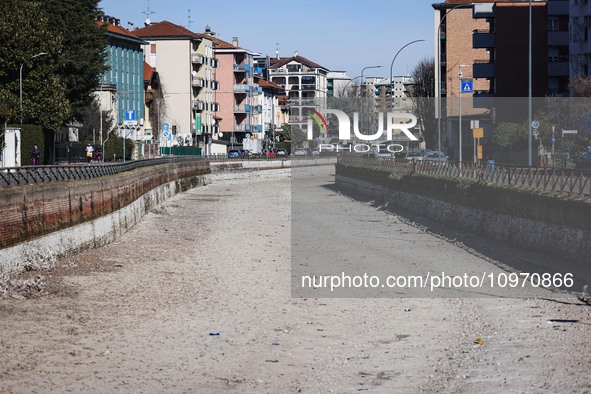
165,127
535,124
170,137
166,134
130,118
466,86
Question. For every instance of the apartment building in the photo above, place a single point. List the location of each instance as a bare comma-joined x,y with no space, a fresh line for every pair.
305,82
274,111
239,111
580,40
122,85
185,62
394,92
336,83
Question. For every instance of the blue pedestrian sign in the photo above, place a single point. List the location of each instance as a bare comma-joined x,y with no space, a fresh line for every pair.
466,86
165,127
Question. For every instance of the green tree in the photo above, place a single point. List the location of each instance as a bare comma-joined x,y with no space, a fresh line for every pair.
82,56
24,33
510,136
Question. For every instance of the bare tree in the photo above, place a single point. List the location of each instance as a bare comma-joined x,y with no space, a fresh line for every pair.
422,92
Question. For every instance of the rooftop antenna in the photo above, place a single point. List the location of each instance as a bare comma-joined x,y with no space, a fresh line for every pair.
189,19
147,13
277,50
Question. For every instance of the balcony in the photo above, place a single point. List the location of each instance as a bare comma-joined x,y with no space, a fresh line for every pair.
215,85
558,8
215,129
242,88
239,109
198,105
483,39
258,108
483,99
215,107
483,69
483,10
309,87
214,62
198,81
257,70
240,67
558,69
148,97
558,38
242,127
198,59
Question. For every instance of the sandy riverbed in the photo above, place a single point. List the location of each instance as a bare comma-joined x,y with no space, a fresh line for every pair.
197,299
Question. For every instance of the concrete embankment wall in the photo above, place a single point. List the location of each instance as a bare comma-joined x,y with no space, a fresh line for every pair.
42,221
550,224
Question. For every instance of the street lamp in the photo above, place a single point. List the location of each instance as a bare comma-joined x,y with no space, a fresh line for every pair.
440,110
362,71
21,82
392,65
529,92
348,83
460,75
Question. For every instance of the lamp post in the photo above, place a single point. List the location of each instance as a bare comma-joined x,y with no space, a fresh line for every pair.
348,83
460,112
362,71
21,82
391,67
529,91
363,92
439,71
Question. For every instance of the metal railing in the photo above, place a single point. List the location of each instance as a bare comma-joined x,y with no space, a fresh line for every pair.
576,182
43,174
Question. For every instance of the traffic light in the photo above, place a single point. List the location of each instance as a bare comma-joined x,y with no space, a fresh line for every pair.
174,130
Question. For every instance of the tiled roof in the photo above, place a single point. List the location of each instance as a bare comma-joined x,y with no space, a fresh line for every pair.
166,29
276,63
148,71
268,84
118,30
221,44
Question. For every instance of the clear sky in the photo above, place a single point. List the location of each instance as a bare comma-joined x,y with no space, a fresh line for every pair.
337,34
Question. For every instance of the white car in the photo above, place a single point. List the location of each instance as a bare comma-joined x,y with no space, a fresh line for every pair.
382,152
414,155
435,157
302,152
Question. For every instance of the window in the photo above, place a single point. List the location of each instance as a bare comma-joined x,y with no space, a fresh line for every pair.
553,23
152,48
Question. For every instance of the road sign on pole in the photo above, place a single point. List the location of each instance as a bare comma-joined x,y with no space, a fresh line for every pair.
466,86
165,127
130,118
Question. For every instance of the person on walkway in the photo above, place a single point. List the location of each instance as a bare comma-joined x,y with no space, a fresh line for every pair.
89,151
35,155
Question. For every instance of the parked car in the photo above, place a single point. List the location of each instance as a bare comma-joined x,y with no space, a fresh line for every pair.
281,152
237,153
414,155
435,157
302,152
269,153
382,152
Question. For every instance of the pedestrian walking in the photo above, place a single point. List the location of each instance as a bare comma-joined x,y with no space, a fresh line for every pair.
89,151
35,155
